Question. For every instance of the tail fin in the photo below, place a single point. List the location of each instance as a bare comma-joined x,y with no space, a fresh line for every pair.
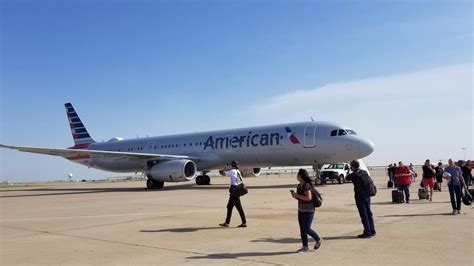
81,137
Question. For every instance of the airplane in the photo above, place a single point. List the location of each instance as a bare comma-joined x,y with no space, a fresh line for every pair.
179,158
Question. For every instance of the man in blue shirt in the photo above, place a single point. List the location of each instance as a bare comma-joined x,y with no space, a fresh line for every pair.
455,180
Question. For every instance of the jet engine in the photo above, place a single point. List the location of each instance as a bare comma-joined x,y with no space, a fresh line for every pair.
246,172
251,172
172,171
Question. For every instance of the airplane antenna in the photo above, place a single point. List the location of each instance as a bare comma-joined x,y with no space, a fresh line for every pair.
312,119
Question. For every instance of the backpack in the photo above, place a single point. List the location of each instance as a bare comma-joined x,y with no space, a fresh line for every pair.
367,184
316,198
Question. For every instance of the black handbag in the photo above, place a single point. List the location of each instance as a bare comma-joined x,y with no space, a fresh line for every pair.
240,189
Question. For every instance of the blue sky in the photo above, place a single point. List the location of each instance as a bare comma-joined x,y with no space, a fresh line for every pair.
161,67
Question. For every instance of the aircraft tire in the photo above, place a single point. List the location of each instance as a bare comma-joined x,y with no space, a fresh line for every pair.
153,184
199,180
206,180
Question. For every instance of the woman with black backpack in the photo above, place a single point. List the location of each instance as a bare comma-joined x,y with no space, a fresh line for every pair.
304,195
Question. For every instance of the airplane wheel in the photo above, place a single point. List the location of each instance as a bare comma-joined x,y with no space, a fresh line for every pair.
199,180
159,184
207,180
153,184
150,184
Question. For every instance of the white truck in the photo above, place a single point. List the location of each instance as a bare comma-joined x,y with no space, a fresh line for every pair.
334,173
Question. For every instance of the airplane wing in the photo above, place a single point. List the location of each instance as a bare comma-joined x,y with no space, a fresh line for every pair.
105,154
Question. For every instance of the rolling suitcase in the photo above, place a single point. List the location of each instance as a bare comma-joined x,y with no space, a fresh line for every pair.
397,196
389,184
422,193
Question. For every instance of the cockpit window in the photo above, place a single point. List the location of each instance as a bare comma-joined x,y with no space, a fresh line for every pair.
334,133
351,132
342,132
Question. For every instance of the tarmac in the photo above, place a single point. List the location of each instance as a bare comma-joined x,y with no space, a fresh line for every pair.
122,223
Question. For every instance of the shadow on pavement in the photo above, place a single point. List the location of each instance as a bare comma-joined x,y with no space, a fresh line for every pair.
242,254
417,215
181,230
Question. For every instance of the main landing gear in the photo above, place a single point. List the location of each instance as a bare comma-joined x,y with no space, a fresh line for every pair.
203,180
153,184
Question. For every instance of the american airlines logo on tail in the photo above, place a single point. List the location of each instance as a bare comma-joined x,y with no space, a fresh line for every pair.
292,136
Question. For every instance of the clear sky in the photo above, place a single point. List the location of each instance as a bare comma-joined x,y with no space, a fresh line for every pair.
399,72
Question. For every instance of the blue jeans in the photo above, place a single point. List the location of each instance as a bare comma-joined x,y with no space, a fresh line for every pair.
363,206
455,201
406,191
468,181
305,219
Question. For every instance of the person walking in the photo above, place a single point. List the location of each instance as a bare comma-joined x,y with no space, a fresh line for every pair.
402,175
413,171
439,175
466,172
362,196
428,178
455,181
235,180
304,196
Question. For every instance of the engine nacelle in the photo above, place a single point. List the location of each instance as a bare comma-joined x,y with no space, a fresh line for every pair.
173,171
251,172
246,172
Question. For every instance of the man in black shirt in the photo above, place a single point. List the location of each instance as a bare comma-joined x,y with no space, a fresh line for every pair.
439,175
362,199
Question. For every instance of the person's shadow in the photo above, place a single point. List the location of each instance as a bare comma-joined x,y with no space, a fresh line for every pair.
181,230
241,255
289,240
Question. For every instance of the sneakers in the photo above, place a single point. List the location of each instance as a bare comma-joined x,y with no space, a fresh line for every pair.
303,250
454,212
242,225
458,212
224,224
318,244
364,236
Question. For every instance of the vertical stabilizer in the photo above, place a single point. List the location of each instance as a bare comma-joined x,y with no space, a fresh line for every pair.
81,137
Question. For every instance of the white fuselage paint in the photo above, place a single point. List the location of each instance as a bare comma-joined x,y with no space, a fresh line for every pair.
252,147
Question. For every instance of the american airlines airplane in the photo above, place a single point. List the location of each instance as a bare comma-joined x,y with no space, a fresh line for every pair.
178,158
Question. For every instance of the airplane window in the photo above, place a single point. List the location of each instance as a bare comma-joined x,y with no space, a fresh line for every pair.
342,132
184,144
200,143
334,133
351,132
191,144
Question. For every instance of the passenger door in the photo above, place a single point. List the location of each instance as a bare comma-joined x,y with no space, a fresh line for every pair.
310,136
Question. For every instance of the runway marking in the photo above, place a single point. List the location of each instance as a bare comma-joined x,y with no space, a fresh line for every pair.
205,255
105,216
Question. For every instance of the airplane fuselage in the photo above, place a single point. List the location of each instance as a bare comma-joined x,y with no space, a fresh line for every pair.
305,143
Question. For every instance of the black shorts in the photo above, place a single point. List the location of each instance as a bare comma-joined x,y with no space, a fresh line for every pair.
439,179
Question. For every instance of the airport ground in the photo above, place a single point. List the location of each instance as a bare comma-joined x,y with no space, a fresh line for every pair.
122,223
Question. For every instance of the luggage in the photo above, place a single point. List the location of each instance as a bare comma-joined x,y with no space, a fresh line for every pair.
397,196
389,184
422,193
467,198
435,188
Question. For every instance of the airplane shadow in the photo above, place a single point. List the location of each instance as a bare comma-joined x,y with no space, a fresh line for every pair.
181,230
86,190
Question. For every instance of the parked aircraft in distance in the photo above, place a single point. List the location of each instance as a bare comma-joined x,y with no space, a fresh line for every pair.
179,158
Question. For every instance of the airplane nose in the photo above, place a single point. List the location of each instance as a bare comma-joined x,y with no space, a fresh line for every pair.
366,147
